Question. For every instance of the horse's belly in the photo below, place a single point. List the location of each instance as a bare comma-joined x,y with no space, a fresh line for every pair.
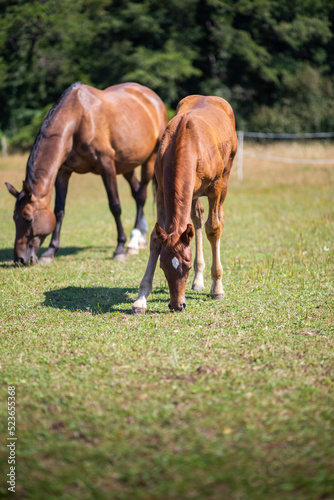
124,168
80,165
134,150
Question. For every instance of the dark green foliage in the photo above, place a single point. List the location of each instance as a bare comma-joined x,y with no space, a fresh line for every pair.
272,59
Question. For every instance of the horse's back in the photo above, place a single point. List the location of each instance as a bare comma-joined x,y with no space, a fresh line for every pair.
129,116
135,90
132,97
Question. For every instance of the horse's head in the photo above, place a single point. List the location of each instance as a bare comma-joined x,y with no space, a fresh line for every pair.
34,220
176,262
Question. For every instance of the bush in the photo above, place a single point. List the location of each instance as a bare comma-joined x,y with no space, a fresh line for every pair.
23,140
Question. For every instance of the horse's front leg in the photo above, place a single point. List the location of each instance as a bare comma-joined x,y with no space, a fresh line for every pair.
110,183
197,216
61,186
214,227
139,306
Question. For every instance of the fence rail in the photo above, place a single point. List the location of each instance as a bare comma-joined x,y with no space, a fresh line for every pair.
241,134
3,145
320,135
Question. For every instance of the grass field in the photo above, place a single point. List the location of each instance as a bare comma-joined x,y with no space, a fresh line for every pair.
229,400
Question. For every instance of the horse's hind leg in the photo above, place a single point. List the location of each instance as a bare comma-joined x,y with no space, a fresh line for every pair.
61,186
137,239
197,216
214,226
147,173
110,183
139,193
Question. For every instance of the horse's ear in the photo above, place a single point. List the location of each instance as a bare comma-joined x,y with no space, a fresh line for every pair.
12,190
160,233
188,234
27,189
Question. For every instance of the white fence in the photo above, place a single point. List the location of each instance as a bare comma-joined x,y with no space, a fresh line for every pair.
241,153
3,146
258,135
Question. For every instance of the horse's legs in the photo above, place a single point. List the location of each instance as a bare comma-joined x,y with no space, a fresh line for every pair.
137,237
213,227
139,306
61,186
147,172
110,183
197,216
139,193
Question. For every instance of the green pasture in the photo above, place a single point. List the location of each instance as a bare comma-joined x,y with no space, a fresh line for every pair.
229,400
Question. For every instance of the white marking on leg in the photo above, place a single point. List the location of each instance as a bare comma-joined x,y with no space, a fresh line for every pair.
134,239
142,243
147,281
140,302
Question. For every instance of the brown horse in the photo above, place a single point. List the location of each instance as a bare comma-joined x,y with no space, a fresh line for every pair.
194,159
106,132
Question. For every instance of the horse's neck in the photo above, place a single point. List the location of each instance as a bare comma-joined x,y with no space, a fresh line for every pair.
178,194
52,153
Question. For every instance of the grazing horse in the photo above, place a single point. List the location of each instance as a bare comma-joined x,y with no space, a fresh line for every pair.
106,132
194,159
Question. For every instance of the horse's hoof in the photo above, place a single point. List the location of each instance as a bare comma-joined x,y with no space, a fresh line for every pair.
133,251
142,243
217,296
197,288
138,310
119,257
43,261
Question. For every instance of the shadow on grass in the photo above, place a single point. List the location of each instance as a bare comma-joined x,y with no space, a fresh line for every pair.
6,254
95,300
101,300
63,252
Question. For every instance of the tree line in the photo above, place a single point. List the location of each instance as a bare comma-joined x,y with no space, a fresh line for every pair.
273,60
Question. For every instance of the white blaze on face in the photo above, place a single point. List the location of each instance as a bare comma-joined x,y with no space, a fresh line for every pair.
175,262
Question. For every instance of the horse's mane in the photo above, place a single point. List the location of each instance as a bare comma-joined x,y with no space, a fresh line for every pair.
42,132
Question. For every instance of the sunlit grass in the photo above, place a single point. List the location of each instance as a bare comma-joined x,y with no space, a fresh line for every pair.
227,400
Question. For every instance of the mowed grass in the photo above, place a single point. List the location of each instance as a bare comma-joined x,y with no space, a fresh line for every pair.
230,399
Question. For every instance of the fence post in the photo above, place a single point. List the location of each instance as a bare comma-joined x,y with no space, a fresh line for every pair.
240,155
3,145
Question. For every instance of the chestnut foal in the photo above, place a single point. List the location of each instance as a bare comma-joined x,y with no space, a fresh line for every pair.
194,159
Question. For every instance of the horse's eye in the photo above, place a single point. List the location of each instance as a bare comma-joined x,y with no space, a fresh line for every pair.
29,220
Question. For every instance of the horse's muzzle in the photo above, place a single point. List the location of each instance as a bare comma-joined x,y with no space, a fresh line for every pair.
22,262
19,261
180,307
